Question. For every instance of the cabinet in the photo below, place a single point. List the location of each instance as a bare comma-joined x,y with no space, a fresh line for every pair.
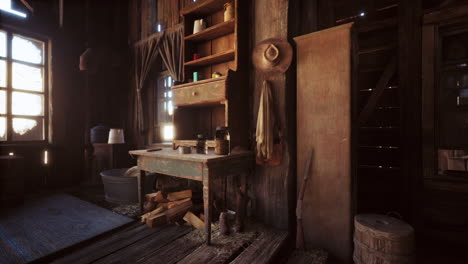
445,125
203,105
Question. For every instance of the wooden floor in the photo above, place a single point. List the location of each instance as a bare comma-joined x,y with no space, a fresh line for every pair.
137,243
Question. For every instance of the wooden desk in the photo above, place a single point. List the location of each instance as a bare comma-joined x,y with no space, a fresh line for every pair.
196,167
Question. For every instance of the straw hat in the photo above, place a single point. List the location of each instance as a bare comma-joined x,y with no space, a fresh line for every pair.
272,56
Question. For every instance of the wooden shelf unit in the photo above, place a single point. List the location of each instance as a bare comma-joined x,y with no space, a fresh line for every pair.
216,46
210,102
213,32
212,59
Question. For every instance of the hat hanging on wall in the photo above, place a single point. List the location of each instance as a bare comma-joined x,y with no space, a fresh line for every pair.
272,56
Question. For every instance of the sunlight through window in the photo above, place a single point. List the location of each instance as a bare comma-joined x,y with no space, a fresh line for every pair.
5,5
168,132
24,86
2,128
2,44
27,50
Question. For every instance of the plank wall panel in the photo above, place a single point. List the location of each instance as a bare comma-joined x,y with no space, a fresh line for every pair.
324,124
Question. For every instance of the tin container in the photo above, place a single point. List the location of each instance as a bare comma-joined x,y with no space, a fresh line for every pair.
185,150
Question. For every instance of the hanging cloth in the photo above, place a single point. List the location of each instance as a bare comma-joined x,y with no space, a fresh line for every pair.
265,124
145,54
172,52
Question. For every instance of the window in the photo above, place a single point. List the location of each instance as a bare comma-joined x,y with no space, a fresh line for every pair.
5,5
165,108
23,89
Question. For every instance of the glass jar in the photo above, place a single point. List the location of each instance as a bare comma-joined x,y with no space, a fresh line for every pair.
222,141
202,147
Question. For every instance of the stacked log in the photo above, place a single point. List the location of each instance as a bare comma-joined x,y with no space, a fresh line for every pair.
162,209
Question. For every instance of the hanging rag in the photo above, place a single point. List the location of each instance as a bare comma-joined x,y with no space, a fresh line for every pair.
265,124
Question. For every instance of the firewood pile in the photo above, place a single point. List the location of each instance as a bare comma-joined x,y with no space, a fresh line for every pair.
161,208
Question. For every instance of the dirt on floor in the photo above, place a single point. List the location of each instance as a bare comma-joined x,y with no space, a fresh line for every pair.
95,195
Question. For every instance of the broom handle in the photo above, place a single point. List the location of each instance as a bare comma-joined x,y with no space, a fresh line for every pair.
299,231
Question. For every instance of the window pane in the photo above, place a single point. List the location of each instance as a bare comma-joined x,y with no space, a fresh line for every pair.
3,43
27,104
2,128
2,102
28,50
28,129
2,73
27,78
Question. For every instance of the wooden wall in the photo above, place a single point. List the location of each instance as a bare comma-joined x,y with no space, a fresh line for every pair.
65,88
272,187
108,32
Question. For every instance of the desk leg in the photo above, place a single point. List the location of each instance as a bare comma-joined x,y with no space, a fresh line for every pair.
207,203
141,189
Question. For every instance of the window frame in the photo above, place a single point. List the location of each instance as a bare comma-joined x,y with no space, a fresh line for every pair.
157,124
46,116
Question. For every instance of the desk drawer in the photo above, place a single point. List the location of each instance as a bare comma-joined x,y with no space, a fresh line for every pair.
208,92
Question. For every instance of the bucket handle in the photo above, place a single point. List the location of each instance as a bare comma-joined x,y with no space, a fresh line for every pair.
394,214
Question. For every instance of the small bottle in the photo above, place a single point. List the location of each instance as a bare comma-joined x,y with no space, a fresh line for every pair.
202,147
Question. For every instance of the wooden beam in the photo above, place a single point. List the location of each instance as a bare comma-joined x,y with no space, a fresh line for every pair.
28,6
409,72
445,14
378,91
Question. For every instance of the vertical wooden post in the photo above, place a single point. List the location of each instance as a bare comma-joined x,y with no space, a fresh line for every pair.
409,47
141,189
207,202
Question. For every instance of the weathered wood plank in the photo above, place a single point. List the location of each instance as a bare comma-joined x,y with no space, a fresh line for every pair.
109,245
174,251
143,248
273,209
308,257
263,249
178,168
324,83
388,73
222,250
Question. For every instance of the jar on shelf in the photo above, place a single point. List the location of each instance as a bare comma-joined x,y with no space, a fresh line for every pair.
228,11
202,146
222,141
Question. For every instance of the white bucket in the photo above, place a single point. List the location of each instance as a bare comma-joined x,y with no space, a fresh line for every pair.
116,136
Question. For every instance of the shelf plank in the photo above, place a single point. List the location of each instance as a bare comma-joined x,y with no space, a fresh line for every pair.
213,32
222,78
204,8
378,49
212,59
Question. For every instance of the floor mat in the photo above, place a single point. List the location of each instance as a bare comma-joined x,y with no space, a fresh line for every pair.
47,224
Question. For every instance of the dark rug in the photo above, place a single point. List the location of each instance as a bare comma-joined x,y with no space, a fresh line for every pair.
47,224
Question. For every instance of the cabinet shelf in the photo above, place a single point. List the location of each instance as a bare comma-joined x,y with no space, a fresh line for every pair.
213,32
222,78
204,8
212,59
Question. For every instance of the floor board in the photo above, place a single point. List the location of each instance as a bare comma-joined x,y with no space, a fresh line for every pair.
173,244
109,245
145,247
174,251
222,250
263,249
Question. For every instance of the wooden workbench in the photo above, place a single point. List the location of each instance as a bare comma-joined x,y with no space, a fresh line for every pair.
196,167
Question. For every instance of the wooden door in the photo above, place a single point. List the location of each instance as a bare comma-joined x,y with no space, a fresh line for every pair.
324,124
